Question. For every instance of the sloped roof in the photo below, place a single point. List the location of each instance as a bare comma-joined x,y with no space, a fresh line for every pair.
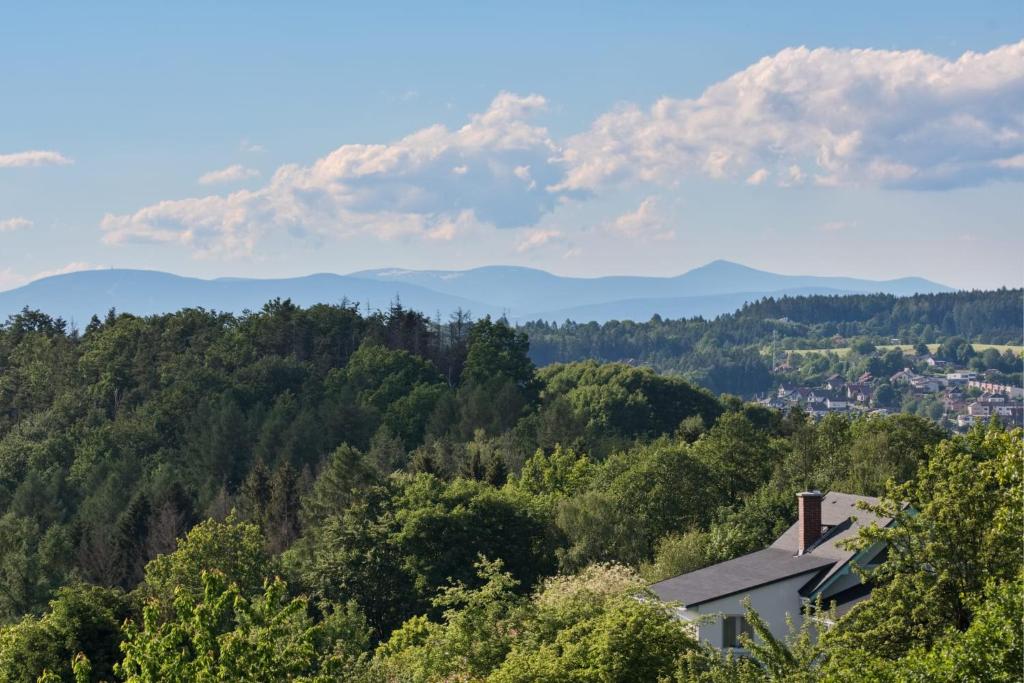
779,560
738,575
839,511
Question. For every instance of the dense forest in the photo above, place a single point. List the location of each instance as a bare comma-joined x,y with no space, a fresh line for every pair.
732,354
317,494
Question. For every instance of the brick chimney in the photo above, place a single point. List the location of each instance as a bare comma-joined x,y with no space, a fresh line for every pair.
809,523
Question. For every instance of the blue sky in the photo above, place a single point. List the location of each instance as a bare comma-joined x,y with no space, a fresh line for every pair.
255,139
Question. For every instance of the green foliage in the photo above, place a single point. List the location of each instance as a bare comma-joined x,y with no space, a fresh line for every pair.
419,483
957,536
736,454
231,548
344,475
394,549
227,635
731,354
623,401
477,630
82,619
588,627
677,553
560,473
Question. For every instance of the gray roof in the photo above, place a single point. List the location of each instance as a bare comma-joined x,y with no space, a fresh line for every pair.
839,511
737,575
779,560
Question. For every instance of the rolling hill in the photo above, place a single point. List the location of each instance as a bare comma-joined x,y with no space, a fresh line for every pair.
520,293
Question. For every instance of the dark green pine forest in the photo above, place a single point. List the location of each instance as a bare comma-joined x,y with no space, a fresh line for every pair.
732,353
321,494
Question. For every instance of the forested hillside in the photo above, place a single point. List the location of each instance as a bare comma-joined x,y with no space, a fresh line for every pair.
316,494
730,353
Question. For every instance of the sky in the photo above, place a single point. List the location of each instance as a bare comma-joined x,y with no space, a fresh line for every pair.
872,139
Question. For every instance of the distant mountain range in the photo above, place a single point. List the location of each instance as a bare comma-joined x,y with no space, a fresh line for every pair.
519,293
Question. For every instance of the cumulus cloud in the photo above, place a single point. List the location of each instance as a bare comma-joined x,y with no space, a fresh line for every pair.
34,157
757,177
824,117
16,223
645,222
874,117
231,174
538,237
434,184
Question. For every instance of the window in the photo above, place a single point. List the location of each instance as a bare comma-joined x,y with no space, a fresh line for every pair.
732,627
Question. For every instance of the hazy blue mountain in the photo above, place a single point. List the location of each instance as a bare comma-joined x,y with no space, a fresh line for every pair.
520,293
77,296
526,292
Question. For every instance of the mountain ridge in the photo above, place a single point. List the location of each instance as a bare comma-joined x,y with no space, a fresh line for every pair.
520,293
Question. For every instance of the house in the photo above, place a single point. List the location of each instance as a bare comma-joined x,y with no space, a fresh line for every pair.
813,396
785,391
934,362
953,401
979,409
1011,415
904,376
806,562
926,385
772,402
1011,391
858,392
835,383
961,376
965,421
836,402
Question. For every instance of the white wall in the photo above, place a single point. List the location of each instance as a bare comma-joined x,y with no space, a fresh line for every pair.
772,602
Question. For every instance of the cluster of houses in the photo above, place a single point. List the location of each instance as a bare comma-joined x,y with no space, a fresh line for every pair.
1004,403
966,397
836,395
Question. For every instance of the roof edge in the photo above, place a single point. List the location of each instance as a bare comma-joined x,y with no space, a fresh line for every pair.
819,569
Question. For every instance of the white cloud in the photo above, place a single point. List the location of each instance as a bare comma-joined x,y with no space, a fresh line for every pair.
538,237
231,174
248,146
822,117
16,223
757,177
644,222
1016,162
874,117
33,157
433,184
794,176
836,226
523,173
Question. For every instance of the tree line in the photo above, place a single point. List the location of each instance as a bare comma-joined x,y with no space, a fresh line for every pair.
319,494
731,353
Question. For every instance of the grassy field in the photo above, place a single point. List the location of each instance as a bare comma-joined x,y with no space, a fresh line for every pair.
910,347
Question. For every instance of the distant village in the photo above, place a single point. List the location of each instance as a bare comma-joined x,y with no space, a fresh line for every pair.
966,397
